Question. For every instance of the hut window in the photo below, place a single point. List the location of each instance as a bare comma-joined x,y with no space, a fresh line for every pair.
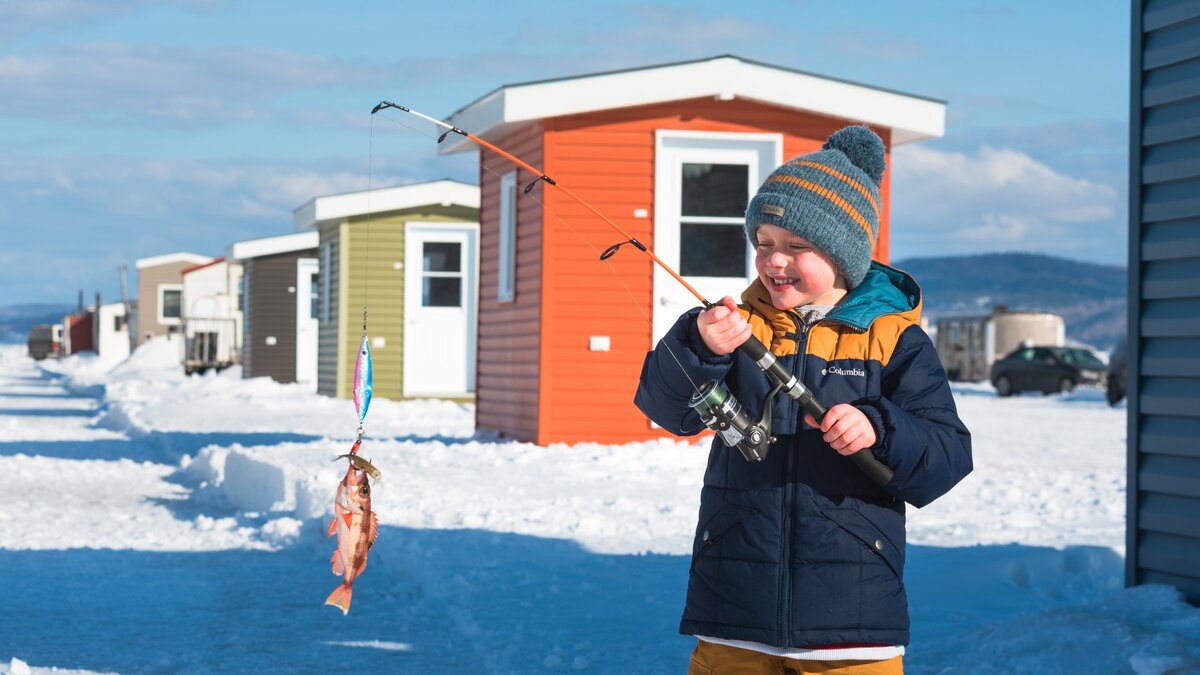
507,272
315,296
713,199
442,274
170,303
325,274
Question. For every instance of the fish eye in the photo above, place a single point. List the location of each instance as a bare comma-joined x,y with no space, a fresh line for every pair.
364,490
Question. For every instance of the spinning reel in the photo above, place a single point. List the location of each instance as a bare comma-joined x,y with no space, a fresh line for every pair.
724,414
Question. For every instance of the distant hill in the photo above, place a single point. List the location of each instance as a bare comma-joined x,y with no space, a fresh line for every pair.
16,320
1091,298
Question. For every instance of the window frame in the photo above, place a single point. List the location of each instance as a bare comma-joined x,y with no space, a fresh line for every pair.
506,270
162,318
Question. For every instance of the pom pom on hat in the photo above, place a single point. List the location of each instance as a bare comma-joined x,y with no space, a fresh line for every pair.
862,147
830,198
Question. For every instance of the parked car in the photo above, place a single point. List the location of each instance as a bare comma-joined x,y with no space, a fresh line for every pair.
41,342
1116,373
1046,369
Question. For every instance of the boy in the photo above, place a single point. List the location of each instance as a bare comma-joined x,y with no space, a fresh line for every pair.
797,564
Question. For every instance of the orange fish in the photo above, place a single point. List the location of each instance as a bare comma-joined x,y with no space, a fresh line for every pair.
356,528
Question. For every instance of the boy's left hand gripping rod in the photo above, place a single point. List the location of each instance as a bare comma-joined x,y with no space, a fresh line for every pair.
866,460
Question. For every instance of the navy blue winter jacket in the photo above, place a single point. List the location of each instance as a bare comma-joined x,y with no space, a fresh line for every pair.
802,549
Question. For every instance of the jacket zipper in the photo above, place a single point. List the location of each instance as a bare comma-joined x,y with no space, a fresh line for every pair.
785,604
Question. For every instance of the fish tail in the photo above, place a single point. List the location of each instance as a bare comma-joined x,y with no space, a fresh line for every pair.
340,597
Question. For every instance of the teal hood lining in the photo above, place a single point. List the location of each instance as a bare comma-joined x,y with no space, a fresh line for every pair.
885,290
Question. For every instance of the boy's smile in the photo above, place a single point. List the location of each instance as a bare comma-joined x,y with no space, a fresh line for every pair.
794,272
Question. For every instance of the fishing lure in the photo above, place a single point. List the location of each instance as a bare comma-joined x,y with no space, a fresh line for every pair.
363,380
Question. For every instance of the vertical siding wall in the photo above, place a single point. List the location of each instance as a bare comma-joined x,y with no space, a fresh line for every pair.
507,375
607,158
372,279
329,253
247,318
1163,529
272,313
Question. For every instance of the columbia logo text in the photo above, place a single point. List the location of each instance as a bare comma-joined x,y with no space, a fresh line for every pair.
846,372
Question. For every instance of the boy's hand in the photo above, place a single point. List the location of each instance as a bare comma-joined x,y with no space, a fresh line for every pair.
723,328
847,429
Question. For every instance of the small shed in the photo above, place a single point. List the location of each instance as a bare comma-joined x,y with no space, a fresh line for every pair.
281,296
1163,357
968,345
160,293
410,255
212,315
78,332
672,154
112,332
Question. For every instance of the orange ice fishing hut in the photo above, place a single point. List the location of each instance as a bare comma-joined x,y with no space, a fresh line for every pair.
671,154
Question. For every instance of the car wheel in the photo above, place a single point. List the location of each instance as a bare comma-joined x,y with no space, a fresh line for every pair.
1065,385
1004,386
1115,391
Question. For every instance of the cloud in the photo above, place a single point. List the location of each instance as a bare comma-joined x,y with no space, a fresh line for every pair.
24,18
998,199
111,83
872,44
69,220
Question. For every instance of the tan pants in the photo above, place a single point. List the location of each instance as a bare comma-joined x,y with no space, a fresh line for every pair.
714,659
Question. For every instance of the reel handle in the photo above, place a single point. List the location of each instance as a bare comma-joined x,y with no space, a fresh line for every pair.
864,459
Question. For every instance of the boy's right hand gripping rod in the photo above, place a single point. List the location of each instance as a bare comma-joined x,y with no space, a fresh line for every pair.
757,351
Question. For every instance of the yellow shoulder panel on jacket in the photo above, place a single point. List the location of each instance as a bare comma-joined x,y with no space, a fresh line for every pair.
833,342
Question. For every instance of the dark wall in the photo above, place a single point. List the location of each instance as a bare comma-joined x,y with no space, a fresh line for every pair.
1163,531
271,312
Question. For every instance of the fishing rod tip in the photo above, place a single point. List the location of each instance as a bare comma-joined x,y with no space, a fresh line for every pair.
387,104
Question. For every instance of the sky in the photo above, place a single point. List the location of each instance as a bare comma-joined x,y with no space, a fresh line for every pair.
133,129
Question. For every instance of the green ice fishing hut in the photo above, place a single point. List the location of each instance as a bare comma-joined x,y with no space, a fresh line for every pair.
410,254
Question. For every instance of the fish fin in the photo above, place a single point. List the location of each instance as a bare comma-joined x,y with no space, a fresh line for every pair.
340,597
373,534
349,518
339,568
333,525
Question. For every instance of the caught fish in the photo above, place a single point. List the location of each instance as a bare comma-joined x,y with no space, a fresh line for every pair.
362,464
356,528
362,380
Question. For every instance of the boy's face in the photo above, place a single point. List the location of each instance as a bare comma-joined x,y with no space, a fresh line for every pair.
794,272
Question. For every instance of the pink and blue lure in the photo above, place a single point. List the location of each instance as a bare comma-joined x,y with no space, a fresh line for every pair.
362,388
362,380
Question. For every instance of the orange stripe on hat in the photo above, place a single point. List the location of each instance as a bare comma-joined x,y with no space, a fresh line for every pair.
842,177
833,197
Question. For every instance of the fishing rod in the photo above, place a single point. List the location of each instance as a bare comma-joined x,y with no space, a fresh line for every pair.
713,401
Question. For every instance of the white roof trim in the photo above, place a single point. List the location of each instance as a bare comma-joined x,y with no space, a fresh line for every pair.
287,243
180,257
911,118
334,207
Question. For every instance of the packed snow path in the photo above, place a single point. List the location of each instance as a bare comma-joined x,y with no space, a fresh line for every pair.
156,523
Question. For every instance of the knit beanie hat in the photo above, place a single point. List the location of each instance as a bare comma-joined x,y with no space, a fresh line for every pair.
829,197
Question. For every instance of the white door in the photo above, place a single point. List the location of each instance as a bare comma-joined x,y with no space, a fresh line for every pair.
702,184
308,299
441,290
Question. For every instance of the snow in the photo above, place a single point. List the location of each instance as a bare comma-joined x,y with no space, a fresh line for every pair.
157,522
